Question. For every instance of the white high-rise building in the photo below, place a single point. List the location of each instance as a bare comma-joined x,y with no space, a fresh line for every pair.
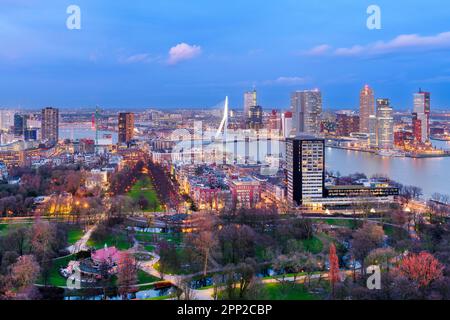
6,119
385,124
373,134
422,108
366,108
306,110
250,100
286,124
305,163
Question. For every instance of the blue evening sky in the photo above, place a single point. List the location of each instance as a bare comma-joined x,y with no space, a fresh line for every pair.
191,53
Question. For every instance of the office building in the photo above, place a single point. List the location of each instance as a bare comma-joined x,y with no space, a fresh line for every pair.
126,127
306,169
286,124
50,125
373,132
20,124
250,100
306,109
30,134
421,115
385,124
366,108
255,117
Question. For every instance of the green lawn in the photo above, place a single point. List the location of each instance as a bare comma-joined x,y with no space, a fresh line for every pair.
144,187
145,278
119,241
276,291
4,227
176,238
313,245
149,248
55,279
73,235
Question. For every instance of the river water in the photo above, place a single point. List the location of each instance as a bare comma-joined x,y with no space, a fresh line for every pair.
430,174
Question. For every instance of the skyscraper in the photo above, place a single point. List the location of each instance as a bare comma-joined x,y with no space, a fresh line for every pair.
250,100
20,124
366,108
305,158
126,127
50,125
422,110
255,119
385,124
306,109
286,124
373,132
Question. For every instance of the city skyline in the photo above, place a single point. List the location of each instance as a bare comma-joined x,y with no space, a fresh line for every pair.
141,56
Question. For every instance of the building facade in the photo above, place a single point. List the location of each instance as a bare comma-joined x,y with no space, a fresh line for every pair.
366,108
306,169
250,100
385,124
306,108
421,115
126,127
50,125
347,123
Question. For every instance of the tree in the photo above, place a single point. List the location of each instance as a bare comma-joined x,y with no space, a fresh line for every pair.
43,240
184,289
382,257
126,274
334,269
366,239
25,272
422,268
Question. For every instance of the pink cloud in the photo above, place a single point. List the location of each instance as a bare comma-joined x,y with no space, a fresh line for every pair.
182,52
404,42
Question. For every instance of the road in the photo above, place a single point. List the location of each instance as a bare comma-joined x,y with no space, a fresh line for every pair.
81,245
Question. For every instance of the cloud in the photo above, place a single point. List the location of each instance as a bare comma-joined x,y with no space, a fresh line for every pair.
182,52
318,50
286,81
404,42
136,58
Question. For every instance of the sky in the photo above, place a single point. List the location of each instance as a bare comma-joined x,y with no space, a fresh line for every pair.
193,53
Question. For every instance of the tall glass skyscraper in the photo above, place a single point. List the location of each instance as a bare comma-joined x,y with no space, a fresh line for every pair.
250,100
366,108
50,125
306,110
422,110
385,124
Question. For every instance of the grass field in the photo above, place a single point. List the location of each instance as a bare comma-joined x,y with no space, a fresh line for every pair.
176,238
145,278
313,245
55,279
73,235
144,188
119,241
276,291
4,227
